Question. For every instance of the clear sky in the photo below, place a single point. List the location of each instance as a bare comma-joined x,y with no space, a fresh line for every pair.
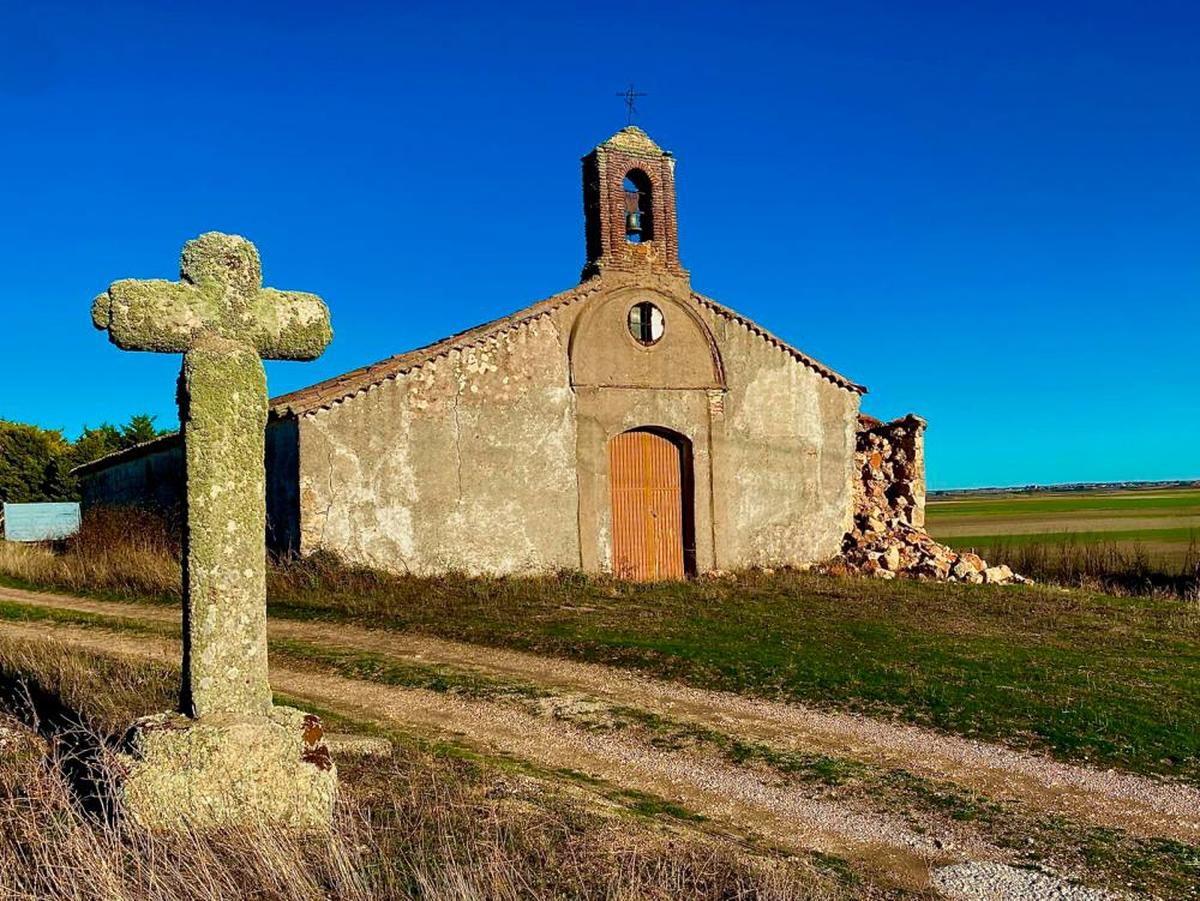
987,212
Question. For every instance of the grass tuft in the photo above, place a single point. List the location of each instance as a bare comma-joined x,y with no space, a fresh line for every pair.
416,826
1092,677
1097,565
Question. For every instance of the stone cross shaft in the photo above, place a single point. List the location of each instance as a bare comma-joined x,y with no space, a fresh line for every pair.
224,323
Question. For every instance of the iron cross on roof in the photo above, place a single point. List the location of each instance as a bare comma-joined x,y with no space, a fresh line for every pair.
630,95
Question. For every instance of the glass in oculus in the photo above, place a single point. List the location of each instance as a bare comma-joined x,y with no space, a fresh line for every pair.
645,322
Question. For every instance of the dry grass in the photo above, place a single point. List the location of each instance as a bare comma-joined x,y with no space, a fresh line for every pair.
1093,676
121,551
1130,541
419,826
135,553
1106,566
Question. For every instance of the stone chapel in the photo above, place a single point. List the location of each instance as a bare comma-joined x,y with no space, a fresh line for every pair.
627,425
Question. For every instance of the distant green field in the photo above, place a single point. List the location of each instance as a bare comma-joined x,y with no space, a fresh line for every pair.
1182,501
1162,524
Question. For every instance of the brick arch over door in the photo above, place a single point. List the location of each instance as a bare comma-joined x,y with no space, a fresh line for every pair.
653,526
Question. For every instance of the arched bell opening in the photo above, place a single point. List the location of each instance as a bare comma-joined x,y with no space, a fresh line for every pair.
653,519
639,207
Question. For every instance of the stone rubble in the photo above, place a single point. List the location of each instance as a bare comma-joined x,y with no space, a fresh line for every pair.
893,548
890,461
888,538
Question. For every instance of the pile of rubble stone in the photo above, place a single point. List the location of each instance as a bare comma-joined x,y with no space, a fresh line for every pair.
888,538
889,459
890,549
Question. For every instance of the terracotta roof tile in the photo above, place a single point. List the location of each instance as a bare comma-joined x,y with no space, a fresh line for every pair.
799,356
326,394
339,388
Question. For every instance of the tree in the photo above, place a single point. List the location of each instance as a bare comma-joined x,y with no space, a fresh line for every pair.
33,464
139,430
92,444
36,463
105,439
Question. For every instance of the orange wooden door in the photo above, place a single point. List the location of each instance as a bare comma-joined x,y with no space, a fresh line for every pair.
646,475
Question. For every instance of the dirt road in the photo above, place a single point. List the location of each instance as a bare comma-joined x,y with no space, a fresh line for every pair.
746,800
1103,797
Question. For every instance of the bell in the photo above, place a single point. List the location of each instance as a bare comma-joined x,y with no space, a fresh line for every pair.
633,222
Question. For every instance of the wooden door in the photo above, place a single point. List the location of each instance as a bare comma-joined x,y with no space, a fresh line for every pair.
646,475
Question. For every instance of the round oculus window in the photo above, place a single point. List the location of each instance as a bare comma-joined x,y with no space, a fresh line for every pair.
646,323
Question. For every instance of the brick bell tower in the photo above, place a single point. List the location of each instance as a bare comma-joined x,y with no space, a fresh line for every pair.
629,207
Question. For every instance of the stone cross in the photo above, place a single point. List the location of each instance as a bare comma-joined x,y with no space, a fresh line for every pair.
224,323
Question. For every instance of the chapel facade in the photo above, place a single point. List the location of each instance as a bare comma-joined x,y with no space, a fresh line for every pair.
627,425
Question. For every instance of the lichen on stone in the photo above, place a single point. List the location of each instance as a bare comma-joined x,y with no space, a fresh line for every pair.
237,756
224,417
224,770
219,293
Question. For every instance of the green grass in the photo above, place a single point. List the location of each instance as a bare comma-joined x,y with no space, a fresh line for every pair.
1113,680
26,613
1087,676
385,670
1181,535
803,766
1115,859
1121,861
1156,529
1173,503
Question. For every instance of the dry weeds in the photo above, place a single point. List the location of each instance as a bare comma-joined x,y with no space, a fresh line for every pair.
121,551
417,826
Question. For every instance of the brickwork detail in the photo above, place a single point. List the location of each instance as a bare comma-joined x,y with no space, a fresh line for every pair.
604,171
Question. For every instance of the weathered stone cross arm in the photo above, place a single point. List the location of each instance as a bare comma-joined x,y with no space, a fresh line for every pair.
223,321
220,294
233,756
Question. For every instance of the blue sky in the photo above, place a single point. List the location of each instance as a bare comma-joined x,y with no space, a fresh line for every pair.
987,212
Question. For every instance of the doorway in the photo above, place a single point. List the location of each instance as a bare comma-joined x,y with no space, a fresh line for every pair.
652,523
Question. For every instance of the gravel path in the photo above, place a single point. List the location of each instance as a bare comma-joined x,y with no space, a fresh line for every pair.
1000,882
783,813
1102,797
956,864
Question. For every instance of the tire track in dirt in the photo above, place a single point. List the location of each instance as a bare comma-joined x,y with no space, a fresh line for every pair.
782,813
1137,804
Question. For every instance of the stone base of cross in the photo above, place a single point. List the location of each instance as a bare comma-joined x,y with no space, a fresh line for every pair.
219,770
229,756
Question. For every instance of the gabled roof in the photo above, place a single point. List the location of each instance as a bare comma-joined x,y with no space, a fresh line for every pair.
339,388
342,387
153,446
326,394
820,368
